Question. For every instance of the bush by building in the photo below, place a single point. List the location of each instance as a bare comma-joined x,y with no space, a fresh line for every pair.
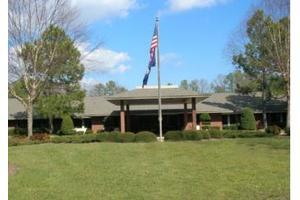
174,135
67,125
126,137
145,136
248,120
275,130
191,135
231,127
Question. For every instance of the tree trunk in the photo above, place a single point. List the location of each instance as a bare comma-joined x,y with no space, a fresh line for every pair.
288,106
265,121
51,124
29,119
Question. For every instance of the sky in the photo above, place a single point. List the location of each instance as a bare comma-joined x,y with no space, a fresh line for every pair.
193,37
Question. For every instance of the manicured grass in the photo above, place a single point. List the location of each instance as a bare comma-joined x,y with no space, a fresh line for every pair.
256,168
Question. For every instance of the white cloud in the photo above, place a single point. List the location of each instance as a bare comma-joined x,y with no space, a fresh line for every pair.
171,59
103,60
180,5
92,10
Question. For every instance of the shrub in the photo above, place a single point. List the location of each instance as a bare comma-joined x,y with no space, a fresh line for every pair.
248,120
15,141
20,131
11,131
40,130
67,125
145,136
40,136
89,131
205,117
61,139
87,138
230,134
174,135
214,128
205,127
126,137
216,133
191,135
275,130
231,127
204,134
101,137
112,136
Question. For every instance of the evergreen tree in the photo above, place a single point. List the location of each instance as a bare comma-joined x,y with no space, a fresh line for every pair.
248,120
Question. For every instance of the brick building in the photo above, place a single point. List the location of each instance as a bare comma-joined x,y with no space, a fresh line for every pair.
136,110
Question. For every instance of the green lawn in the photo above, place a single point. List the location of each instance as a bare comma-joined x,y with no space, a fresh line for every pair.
217,169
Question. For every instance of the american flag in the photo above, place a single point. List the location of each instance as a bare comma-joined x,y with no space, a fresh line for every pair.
154,44
152,62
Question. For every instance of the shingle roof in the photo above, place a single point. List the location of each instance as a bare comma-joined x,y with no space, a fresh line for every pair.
16,110
216,103
98,106
234,103
147,93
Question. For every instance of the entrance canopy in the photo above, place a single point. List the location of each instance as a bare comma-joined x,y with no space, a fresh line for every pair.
149,96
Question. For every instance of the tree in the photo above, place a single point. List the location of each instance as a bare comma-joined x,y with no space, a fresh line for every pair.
62,93
34,53
248,120
253,60
219,84
240,82
266,55
205,117
110,88
113,88
98,90
184,85
197,85
275,22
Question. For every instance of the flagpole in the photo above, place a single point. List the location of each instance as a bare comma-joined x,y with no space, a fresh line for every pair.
158,80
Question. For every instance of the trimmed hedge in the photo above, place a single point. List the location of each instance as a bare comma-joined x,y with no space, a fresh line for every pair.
112,136
67,125
248,120
145,136
205,117
216,133
174,135
126,137
205,134
191,135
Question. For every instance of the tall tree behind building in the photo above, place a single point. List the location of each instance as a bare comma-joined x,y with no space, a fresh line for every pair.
110,88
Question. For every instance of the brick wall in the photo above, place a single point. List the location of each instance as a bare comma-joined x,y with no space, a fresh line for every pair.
216,121
97,124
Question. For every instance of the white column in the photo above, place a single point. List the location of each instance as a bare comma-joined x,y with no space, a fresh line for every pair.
228,120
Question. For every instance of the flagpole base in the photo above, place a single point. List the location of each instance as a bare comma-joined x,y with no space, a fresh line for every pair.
160,139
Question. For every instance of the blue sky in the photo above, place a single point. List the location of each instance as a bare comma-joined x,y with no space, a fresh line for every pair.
193,37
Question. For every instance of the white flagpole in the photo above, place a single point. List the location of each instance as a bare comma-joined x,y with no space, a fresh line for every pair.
158,80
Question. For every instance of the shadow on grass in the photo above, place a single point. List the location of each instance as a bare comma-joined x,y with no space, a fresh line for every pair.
273,143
